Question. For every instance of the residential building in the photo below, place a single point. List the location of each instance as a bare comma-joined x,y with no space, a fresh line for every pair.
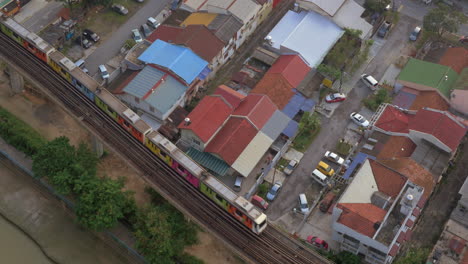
344,13
412,99
230,130
377,211
250,12
307,34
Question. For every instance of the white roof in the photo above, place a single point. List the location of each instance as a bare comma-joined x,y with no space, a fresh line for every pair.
242,9
307,33
362,187
252,154
329,6
349,16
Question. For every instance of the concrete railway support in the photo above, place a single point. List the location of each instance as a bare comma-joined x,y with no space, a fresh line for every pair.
98,147
16,81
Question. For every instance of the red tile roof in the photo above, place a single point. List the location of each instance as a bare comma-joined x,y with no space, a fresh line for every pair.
440,125
416,212
430,99
232,139
455,58
396,147
165,33
415,173
464,260
422,202
201,41
207,117
393,120
457,244
276,87
394,250
401,237
234,98
409,223
291,67
388,181
258,108
361,217
196,37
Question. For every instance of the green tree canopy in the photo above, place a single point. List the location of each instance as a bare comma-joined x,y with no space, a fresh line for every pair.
309,122
54,157
443,19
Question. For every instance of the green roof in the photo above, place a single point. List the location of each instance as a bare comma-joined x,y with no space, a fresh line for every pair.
4,3
210,162
429,74
462,81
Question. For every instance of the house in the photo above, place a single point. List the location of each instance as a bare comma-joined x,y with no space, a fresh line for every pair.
412,99
153,93
226,27
198,38
457,59
180,62
280,83
307,34
376,213
426,76
250,12
344,13
228,129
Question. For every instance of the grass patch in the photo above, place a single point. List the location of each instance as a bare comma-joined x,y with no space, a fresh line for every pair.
303,141
263,189
282,163
375,100
324,91
343,148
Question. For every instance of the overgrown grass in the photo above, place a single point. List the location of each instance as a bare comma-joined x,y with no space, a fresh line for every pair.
263,189
374,100
303,140
19,134
324,91
343,148
282,163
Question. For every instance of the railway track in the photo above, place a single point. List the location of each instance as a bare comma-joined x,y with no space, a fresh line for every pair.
270,247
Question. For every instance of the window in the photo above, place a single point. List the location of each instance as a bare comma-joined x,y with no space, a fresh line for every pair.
137,100
196,141
219,197
239,213
151,109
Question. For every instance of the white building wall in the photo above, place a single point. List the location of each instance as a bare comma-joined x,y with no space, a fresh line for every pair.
417,136
191,139
141,105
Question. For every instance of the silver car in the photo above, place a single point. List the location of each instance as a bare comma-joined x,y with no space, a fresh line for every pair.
271,195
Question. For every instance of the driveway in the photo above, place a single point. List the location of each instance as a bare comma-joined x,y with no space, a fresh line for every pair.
111,47
38,14
333,129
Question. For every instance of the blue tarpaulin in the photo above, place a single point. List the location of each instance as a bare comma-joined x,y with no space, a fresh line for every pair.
358,159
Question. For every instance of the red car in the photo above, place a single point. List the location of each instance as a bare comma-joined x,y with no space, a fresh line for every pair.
334,98
463,39
317,242
259,202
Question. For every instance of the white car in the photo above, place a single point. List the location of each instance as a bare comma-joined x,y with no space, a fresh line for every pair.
136,35
291,166
359,119
333,157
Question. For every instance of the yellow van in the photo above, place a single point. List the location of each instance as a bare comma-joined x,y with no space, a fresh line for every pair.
325,169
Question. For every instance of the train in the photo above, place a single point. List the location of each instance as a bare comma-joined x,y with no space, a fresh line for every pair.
237,206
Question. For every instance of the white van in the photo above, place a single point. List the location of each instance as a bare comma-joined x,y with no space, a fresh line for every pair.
370,81
81,64
320,177
104,73
303,205
152,22
238,183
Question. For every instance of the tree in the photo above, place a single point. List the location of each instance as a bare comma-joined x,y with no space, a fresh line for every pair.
309,122
54,157
86,159
101,202
376,5
443,19
414,256
344,257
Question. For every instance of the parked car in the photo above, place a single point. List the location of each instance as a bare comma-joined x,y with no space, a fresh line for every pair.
359,119
317,242
327,202
325,169
238,183
335,97
370,81
414,35
90,35
291,166
104,72
83,42
81,64
331,156
259,202
136,35
463,39
152,22
146,30
271,195
120,9
139,1
383,30
303,205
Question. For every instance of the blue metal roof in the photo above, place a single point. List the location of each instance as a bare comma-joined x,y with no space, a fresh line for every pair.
358,159
164,95
209,161
180,60
404,99
291,129
296,103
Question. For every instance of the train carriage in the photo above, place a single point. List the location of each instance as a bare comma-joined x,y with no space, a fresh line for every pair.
237,206
85,83
122,114
62,65
174,157
32,42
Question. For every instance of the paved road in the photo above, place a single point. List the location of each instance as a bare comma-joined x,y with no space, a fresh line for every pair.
333,129
37,15
111,47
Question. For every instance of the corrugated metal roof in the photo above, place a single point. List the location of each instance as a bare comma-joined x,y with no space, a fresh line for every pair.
157,88
277,123
252,154
209,161
291,130
349,16
298,32
225,27
296,103
329,6
180,60
199,19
